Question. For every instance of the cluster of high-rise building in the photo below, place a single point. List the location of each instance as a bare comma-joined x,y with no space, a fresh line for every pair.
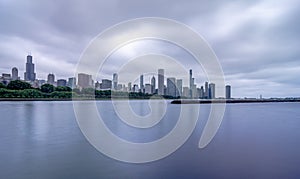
169,87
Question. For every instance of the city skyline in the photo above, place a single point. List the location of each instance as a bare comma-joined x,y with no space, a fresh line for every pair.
166,85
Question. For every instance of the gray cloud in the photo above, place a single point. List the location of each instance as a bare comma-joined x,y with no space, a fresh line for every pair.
257,42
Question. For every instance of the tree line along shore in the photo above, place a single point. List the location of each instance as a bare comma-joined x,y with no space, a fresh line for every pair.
20,90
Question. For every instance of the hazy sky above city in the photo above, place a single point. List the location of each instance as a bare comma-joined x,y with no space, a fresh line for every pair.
256,42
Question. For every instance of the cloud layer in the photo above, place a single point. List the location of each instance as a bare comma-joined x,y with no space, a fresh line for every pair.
257,42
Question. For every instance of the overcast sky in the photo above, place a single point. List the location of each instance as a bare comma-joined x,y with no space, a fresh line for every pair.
256,42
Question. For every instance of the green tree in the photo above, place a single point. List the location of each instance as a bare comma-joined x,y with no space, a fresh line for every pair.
61,94
31,93
2,85
18,85
63,88
47,88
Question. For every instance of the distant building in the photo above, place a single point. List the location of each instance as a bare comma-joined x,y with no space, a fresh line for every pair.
206,92
228,91
201,93
15,74
119,87
129,87
61,82
186,92
6,78
161,79
97,85
191,81
142,84
153,81
72,82
135,88
29,75
171,87
212,91
106,84
115,81
85,80
148,89
41,82
51,79
194,91
179,87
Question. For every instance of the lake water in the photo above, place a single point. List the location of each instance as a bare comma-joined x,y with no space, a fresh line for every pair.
43,140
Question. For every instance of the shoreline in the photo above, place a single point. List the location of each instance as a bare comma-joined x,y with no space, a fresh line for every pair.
208,101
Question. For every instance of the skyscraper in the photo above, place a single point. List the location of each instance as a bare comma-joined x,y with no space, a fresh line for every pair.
72,82
14,73
206,92
212,91
115,81
228,91
85,80
61,82
142,83
51,79
148,89
153,85
201,93
106,84
29,75
161,81
179,87
191,78
129,87
191,81
171,87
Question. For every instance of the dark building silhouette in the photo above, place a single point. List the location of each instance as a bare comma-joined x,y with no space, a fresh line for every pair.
212,91
61,82
228,91
29,75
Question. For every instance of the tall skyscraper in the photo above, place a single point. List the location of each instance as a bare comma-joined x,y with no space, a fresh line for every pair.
206,92
201,93
161,81
29,75
191,79
129,87
14,73
228,91
115,81
142,83
179,87
212,91
51,79
153,85
171,87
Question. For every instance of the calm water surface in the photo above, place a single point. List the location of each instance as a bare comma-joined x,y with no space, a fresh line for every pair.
43,140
